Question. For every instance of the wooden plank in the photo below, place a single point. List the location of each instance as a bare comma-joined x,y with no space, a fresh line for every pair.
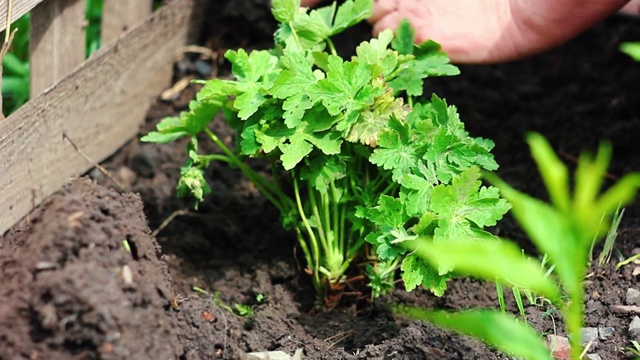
57,42
99,107
118,16
20,7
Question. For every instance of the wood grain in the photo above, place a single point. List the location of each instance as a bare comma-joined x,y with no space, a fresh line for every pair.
20,7
56,42
119,16
99,107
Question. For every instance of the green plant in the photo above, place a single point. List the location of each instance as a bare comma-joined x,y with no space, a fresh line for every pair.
609,240
94,22
627,261
635,348
366,159
563,229
244,310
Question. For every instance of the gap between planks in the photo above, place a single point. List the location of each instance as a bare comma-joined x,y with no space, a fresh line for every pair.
99,106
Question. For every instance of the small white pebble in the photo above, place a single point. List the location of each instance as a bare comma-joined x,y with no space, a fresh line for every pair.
589,336
605,332
634,327
633,297
127,275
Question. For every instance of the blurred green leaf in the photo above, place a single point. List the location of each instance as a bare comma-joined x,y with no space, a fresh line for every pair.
502,331
283,10
554,173
489,260
632,49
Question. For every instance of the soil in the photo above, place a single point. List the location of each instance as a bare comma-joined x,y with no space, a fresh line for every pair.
72,290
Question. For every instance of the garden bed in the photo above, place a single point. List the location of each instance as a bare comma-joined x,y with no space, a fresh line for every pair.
70,288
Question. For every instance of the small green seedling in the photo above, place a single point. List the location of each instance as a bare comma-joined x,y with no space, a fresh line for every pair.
244,310
609,240
126,246
627,261
563,229
366,157
635,349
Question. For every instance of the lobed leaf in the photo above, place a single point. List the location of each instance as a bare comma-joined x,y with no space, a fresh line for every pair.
464,208
284,10
296,149
350,13
416,272
403,42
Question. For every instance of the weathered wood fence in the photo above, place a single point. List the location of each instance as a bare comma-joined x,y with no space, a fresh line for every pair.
98,104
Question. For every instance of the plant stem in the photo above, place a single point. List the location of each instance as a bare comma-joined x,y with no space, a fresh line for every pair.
573,318
337,224
217,157
268,189
332,48
315,251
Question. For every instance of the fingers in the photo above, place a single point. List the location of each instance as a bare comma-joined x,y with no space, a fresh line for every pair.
382,8
389,21
309,3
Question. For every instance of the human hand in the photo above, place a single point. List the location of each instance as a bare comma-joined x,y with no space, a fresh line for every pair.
491,31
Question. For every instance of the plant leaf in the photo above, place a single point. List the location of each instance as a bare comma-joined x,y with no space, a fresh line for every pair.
464,208
632,49
350,13
554,173
284,10
294,151
416,272
256,73
403,42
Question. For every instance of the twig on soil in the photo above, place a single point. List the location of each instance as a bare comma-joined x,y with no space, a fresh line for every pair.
226,330
94,163
337,338
173,93
625,309
169,219
202,50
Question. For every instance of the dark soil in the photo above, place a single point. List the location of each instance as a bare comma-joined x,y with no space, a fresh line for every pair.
71,290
